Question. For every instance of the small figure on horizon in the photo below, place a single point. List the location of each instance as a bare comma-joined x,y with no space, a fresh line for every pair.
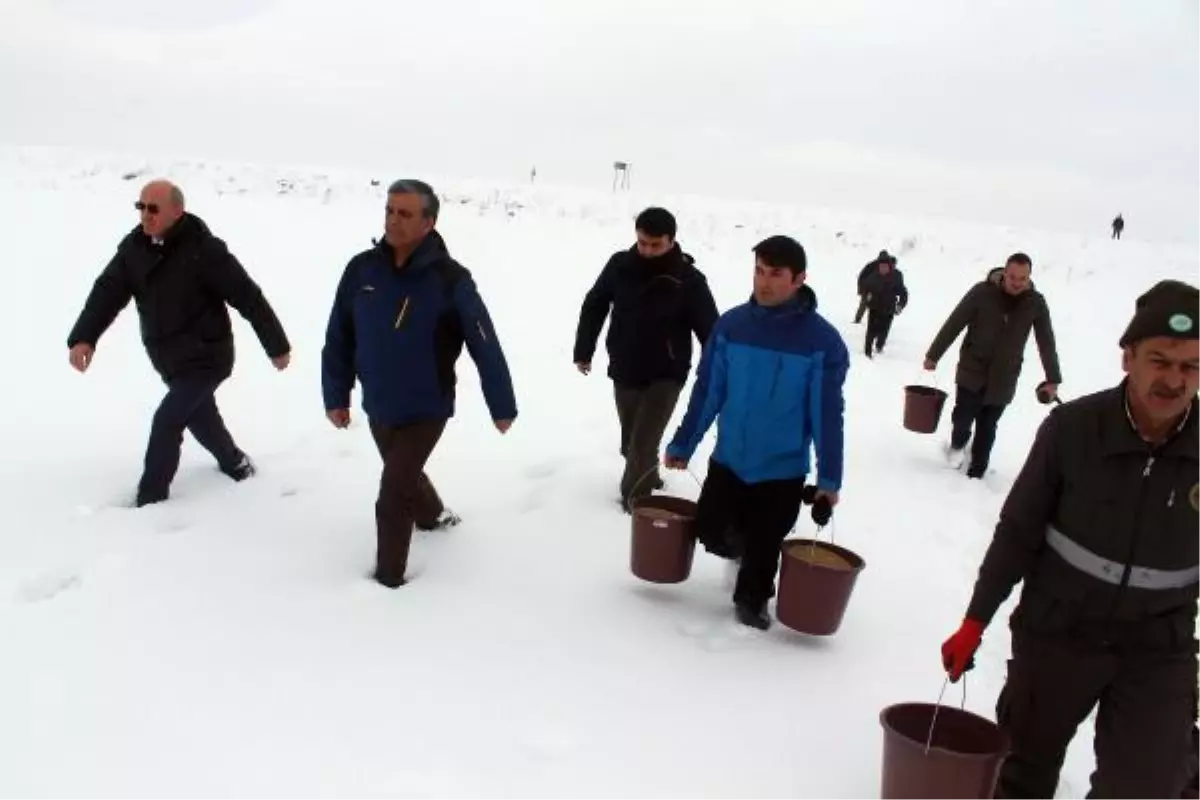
1118,225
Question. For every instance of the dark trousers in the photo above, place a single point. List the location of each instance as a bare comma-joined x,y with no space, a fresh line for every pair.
879,324
1143,727
970,411
188,405
644,414
862,308
751,520
406,495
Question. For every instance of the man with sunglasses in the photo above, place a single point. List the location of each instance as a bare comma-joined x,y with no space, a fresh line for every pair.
181,277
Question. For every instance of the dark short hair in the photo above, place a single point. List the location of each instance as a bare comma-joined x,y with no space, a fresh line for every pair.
782,252
1020,258
430,205
656,222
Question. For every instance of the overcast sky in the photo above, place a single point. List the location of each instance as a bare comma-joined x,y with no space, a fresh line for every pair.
1037,112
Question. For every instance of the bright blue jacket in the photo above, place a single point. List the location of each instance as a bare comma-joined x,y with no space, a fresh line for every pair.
772,377
399,331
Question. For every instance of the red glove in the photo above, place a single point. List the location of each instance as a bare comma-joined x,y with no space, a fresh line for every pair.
958,652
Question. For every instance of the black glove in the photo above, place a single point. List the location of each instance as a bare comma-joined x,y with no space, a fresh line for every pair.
822,511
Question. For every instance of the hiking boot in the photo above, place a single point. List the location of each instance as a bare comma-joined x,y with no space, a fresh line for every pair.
243,469
956,457
752,617
446,519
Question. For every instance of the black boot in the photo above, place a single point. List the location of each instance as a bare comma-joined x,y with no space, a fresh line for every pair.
753,617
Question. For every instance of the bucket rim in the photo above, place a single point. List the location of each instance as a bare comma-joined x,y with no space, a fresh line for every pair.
857,562
902,739
927,391
665,502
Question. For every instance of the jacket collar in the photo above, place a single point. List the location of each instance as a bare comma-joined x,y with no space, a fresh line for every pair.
431,250
1119,434
802,302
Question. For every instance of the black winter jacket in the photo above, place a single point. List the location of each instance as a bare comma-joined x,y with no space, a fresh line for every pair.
181,287
657,305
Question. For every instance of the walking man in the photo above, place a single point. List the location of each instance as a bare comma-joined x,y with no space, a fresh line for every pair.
885,295
1100,525
658,300
772,378
181,277
1118,225
402,312
870,268
998,319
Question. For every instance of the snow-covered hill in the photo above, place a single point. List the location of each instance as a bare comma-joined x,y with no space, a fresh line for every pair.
229,642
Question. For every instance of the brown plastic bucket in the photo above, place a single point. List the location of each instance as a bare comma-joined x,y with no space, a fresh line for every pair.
663,544
815,583
963,759
923,408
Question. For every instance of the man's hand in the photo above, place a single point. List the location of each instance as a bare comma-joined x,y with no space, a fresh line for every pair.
832,497
503,425
340,417
81,356
930,365
584,367
281,362
672,462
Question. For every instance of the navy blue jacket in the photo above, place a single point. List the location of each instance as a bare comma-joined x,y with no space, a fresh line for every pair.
400,330
772,378
657,305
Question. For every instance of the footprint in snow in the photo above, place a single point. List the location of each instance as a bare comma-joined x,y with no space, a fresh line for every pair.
716,636
539,472
47,586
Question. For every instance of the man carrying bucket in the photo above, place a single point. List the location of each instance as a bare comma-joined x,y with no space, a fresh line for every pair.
997,318
658,300
772,365
1101,527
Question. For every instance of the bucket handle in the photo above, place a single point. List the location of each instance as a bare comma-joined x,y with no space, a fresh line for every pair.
651,471
923,372
937,707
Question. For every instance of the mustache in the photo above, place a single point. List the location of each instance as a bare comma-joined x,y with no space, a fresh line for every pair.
1166,392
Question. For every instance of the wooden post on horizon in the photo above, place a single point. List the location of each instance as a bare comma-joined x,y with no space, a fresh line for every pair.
621,170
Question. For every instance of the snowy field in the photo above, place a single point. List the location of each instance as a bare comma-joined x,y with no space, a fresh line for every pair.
229,642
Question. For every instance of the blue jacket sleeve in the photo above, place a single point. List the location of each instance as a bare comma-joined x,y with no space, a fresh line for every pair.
708,396
827,412
337,356
484,347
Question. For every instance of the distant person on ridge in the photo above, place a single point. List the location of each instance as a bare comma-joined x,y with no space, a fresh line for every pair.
997,319
1118,225
1100,526
870,268
658,300
181,277
402,312
886,296
771,376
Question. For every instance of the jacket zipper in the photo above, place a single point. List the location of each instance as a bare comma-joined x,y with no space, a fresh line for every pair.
1133,541
775,377
670,350
479,327
403,313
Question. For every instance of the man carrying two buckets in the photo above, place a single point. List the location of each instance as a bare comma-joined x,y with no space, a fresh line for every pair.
1100,525
761,357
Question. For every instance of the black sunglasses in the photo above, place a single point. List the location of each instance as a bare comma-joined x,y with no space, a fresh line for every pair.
151,207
